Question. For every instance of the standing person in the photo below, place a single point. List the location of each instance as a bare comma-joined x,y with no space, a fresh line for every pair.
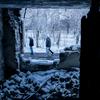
31,44
48,46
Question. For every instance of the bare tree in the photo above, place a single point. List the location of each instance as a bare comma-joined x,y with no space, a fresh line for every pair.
58,39
37,38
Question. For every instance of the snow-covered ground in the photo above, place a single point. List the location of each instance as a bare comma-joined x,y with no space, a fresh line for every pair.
55,49
70,40
41,50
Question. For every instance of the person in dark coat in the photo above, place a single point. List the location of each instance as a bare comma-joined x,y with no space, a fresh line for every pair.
48,46
31,44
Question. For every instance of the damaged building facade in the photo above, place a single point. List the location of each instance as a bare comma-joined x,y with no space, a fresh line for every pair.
11,30
11,35
1,55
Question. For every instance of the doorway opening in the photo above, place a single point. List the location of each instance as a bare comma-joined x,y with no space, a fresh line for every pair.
43,75
62,25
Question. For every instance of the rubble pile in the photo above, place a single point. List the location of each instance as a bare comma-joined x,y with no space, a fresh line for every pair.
42,85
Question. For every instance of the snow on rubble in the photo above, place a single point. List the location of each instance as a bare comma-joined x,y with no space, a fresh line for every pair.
42,85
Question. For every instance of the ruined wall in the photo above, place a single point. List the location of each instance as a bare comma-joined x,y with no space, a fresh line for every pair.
11,40
90,52
1,56
69,59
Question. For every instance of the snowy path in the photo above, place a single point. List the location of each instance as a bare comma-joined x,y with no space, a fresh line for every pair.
40,55
40,58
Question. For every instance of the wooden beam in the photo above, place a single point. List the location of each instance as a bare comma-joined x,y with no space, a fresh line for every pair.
42,3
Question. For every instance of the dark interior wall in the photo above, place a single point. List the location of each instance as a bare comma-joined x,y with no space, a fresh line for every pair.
9,40
1,56
90,52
